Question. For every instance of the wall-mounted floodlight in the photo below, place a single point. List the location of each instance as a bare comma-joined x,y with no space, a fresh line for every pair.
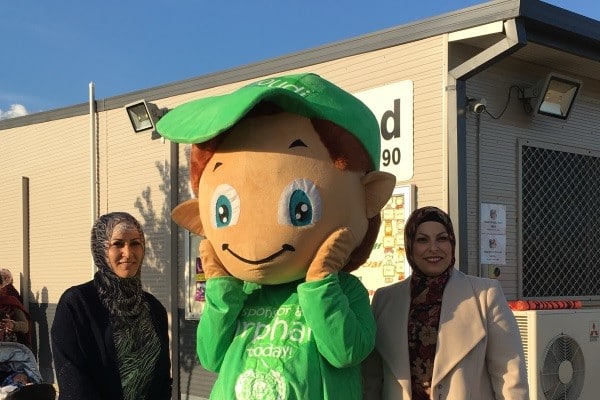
557,96
144,115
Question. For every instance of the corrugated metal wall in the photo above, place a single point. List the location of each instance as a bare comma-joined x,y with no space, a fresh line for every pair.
493,152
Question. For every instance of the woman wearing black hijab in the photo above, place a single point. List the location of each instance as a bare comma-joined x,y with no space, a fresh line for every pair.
442,334
109,337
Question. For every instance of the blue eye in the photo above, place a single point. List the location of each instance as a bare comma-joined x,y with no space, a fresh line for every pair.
300,204
300,209
225,206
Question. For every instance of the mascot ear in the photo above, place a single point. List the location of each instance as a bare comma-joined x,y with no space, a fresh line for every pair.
378,189
187,215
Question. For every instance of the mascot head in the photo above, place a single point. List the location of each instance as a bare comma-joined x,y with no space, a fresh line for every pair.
276,167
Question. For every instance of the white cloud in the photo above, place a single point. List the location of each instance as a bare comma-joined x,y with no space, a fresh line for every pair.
15,110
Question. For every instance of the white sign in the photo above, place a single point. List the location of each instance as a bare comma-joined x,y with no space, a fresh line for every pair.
493,249
493,218
393,107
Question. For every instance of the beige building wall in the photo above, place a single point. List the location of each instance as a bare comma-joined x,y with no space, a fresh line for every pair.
54,156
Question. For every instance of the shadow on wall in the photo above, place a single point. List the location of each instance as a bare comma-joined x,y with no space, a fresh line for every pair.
40,333
157,224
194,380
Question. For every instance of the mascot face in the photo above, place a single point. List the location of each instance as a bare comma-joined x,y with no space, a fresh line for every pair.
271,194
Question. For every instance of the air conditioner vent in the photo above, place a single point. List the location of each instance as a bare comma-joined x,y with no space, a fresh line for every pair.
563,369
562,353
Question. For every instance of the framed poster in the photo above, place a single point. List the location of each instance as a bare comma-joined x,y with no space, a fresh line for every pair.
387,263
195,282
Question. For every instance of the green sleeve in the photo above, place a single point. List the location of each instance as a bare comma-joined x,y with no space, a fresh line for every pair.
338,312
224,301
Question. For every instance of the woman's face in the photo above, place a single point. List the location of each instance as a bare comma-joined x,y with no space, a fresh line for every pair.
432,250
125,250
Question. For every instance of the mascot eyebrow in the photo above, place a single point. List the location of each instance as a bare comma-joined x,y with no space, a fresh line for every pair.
297,143
217,165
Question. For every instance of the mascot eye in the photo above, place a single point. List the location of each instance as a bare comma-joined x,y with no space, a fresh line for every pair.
300,204
225,205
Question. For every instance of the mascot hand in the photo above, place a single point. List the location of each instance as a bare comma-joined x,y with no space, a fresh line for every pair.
210,261
332,255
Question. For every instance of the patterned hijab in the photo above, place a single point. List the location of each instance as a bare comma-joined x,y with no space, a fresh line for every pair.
134,335
419,216
426,303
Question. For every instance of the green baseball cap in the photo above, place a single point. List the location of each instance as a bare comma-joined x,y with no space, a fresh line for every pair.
306,94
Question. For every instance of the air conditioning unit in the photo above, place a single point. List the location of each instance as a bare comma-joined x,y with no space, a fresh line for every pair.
562,352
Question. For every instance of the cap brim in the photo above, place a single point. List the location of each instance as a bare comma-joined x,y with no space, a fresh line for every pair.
308,95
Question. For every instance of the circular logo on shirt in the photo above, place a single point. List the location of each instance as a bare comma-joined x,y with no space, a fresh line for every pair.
254,385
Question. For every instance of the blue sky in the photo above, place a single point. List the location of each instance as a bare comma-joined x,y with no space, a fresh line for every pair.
52,50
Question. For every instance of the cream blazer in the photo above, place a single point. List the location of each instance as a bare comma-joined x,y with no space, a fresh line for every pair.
479,355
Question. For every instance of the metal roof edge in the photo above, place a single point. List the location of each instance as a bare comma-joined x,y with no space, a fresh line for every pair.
560,18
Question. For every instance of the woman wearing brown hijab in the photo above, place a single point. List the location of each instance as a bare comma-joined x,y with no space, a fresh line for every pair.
442,334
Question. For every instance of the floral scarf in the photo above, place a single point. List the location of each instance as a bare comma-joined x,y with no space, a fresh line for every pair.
135,338
426,303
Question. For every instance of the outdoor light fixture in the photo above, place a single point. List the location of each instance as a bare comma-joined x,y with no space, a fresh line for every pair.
477,106
143,115
557,96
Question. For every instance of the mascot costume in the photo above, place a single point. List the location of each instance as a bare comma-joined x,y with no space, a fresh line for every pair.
287,198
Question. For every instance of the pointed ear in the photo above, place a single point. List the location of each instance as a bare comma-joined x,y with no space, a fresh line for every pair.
187,215
378,188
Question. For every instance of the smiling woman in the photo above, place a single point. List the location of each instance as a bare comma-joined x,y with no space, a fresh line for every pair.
109,337
126,250
440,333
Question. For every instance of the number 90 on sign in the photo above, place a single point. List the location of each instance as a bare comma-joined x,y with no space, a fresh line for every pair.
390,157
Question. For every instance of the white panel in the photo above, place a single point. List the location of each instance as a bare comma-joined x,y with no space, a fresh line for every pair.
487,29
540,327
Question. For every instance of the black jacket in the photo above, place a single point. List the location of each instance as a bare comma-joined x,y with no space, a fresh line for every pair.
84,353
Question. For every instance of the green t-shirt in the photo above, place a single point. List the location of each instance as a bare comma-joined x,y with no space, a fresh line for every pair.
300,340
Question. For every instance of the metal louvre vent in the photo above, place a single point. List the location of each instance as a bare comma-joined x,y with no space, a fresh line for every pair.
560,194
523,325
